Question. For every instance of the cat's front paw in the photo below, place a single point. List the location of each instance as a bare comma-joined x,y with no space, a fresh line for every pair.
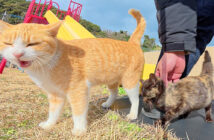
131,116
46,125
78,132
106,105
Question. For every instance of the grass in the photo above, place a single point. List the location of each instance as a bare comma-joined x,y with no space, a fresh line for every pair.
121,91
23,106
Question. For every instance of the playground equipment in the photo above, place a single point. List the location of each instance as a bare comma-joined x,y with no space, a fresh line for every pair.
36,11
70,28
148,68
2,65
41,13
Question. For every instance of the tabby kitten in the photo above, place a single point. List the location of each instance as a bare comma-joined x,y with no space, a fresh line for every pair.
182,97
68,69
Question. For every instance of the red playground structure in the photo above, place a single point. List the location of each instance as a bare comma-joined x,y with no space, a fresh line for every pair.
36,12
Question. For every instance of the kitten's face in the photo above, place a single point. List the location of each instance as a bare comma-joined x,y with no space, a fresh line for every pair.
28,45
151,89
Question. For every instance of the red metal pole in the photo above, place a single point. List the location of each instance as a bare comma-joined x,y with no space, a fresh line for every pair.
29,10
58,10
70,4
2,65
37,9
43,7
50,5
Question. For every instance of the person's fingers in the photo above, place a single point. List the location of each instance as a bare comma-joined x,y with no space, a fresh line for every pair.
179,69
157,72
164,72
164,77
174,77
161,70
171,67
175,80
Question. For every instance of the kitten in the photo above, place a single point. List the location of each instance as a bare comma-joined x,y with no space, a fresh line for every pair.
182,97
68,69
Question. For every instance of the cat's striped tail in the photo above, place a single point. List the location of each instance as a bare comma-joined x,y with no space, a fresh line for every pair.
141,24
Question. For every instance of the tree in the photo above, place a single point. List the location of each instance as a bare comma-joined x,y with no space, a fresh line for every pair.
14,7
90,26
149,44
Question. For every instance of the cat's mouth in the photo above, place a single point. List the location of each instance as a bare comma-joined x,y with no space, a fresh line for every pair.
24,64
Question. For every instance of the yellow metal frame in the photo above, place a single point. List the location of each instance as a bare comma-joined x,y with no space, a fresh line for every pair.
70,28
148,68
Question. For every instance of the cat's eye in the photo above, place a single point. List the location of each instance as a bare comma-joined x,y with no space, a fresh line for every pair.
9,44
33,44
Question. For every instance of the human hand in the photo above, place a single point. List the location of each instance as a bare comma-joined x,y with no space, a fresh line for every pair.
171,66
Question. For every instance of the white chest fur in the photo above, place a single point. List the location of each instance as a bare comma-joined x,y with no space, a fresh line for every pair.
43,80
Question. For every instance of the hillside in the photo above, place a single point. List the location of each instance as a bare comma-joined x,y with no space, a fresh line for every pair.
16,10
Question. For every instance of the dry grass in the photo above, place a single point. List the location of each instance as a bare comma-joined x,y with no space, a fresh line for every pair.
23,106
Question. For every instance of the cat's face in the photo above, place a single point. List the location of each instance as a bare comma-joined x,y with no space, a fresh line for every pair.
28,45
151,90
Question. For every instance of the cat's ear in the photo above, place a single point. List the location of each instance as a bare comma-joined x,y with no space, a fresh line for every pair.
4,26
152,78
54,28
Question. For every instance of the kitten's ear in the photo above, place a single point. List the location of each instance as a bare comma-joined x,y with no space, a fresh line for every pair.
54,28
4,26
152,78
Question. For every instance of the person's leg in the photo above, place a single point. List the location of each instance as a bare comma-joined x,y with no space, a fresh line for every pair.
205,32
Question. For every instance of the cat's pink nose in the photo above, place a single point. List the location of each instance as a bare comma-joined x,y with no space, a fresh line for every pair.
18,55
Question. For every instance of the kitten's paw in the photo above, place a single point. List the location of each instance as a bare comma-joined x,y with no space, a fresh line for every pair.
131,116
105,105
46,125
78,132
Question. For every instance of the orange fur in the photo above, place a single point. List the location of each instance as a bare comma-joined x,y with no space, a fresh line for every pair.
69,68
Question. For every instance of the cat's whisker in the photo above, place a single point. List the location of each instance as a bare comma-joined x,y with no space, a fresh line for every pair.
38,64
43,61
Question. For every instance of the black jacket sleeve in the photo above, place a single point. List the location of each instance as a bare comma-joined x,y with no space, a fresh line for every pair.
177,24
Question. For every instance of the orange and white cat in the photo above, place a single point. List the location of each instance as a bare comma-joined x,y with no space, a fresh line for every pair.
68,69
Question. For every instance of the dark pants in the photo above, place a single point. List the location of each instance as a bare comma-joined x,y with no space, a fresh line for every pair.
181,34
